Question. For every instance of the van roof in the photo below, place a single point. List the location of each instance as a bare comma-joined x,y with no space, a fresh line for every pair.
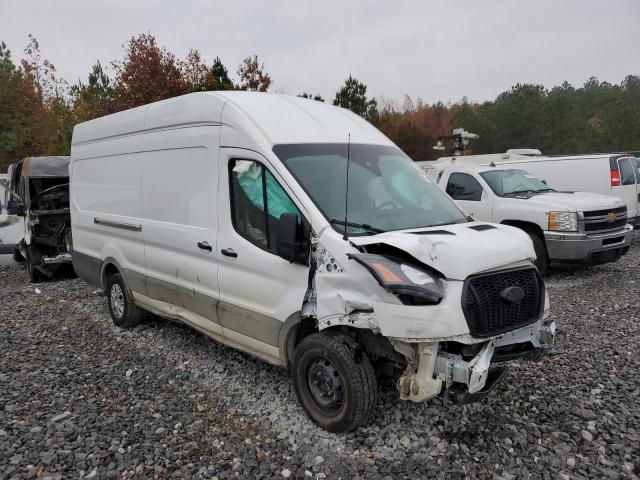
279,118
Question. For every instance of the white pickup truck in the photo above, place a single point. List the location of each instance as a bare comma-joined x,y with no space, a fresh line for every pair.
567,228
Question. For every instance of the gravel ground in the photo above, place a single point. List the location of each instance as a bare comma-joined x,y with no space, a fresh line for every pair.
80,398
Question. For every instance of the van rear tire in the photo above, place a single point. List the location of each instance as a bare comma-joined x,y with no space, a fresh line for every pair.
334,381
542,257
124,312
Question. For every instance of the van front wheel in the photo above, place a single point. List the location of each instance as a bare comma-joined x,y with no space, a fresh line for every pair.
334,381
124,312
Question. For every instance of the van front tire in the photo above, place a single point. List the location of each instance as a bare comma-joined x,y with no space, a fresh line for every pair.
334,381
124,312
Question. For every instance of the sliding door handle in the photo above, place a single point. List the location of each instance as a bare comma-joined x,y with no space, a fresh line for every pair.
205,246
229,252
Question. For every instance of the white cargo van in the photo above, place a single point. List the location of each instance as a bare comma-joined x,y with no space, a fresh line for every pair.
226,211
567,228
609,174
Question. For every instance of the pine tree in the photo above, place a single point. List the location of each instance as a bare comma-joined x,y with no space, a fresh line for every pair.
353,96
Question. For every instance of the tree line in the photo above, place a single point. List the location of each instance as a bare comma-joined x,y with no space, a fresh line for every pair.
38,108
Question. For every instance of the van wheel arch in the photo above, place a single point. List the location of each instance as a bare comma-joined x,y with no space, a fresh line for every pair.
110,267
294,330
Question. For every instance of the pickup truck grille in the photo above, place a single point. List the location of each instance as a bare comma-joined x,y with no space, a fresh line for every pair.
605,220
490,309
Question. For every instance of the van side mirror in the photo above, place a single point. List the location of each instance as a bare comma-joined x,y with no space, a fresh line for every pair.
544,181
289,242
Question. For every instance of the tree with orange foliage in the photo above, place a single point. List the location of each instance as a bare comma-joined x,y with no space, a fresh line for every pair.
35,118
253,76
415,128
147,74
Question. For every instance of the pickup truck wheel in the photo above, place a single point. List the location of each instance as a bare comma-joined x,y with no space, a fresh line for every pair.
334,381
542,258
124,312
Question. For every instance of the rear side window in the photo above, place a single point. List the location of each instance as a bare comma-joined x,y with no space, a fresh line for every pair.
257,202
462,186
627,176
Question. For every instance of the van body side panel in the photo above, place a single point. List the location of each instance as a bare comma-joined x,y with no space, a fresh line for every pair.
87,267
105,206
179,213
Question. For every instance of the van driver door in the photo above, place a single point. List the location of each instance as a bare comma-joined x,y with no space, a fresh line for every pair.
259,290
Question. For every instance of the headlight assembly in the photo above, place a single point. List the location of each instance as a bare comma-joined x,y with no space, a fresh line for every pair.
412,284
563,221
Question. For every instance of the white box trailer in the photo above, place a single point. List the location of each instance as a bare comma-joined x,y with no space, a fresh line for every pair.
226,211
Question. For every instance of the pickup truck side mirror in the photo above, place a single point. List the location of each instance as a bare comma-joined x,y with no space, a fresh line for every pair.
289,242
544,181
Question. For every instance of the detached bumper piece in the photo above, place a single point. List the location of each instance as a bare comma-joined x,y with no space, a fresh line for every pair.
465,379
61,258
458,394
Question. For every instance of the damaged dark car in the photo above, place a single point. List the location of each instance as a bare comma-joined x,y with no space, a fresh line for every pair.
41,188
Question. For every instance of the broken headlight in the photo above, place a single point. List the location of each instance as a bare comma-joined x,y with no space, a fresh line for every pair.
412,284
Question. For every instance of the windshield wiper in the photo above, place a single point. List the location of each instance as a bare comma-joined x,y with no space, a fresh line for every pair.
364,226
520,192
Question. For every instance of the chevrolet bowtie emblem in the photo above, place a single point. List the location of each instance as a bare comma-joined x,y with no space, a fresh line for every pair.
611,217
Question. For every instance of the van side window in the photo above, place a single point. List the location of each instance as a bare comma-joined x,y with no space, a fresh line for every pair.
257,202
626,172
462,186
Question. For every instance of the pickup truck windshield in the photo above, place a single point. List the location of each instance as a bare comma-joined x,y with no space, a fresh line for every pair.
511,181
386,190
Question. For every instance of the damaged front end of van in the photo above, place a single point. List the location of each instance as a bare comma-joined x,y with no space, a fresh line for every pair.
443,308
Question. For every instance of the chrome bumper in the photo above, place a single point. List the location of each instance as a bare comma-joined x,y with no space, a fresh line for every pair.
580,247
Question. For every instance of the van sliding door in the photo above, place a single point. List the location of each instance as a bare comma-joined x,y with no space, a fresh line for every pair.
180,224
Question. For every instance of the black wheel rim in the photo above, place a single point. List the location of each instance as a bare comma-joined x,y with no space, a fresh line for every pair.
325,384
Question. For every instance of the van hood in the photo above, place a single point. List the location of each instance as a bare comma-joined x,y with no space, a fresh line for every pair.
459,250
574,201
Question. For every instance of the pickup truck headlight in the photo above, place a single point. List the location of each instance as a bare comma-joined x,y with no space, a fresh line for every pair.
412,284
563,221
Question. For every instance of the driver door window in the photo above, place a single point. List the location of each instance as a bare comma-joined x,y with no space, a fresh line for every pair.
257,202
462,186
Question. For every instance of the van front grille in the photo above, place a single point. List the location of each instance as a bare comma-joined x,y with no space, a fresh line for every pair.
499,302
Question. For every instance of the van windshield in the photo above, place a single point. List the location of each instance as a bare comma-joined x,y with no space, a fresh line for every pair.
386,190
513,182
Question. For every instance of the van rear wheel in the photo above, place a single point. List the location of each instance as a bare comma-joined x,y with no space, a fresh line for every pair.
124,312
542,258
334,381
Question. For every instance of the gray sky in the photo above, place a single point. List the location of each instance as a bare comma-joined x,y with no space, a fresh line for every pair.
436,50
